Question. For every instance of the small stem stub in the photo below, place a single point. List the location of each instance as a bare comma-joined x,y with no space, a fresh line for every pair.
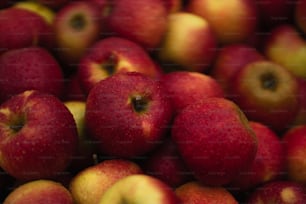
78,22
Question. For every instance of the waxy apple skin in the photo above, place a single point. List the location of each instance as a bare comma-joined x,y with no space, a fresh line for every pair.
38,136
211,136
127,114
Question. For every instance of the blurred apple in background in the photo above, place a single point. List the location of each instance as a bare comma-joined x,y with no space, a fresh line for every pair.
54,4
127,114
29,68
40,191
92,182
112,55
233,21
38,136
77,25
300,118
229,60
179,51
267,93
184,88
139,189
214,127
173,6
73,90
300,15
196,193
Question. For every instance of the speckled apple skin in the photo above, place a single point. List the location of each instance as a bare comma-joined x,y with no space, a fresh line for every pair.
46,143
112,121
215,140
29,68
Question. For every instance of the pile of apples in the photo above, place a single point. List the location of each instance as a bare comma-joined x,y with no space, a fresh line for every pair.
152,101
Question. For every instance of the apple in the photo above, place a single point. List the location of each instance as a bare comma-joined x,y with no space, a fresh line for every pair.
22,28
300,118
184,88
269,163
143,21
73,90
54,4
89,185
39,191
38,136
299,14
282,192
166,164
194,192
233,21
112,55
173,6
139,189
29,68
286,46
127,114
294,141
77,26
211,135
267,93
229,60
178,50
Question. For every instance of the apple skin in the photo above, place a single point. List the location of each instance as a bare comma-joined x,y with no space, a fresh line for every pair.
294,141
127,114
223,121
91,183
229,60
143,21
21,28
38,136
39,191
184,88
138,189
109,56
229,26
281,192
195,193
299,14
266,92
29,68
173,6
269,163
286,46
179,51
300,118
77,25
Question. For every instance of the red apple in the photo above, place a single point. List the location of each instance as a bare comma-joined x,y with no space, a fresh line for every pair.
233,21
179,50
127,114
92,182
184,88
211,136
173,6
39,191
112,55
196,193
73,90
29,68
139,189
38,136
299,14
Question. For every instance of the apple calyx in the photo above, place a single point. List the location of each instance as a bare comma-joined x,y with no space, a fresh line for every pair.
17,123
269,81
78,22
110,65
139,103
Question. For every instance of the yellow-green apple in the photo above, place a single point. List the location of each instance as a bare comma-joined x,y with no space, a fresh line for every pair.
294,141
54,4
166,164
143,21
269,163
280,192
299,14
184,88
127,114
211,135
77,26
112,55
29,68
180,51
89,185
230,59
286,46
232,21
22,28
38,192
38,136
139,189
196,193
267,93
